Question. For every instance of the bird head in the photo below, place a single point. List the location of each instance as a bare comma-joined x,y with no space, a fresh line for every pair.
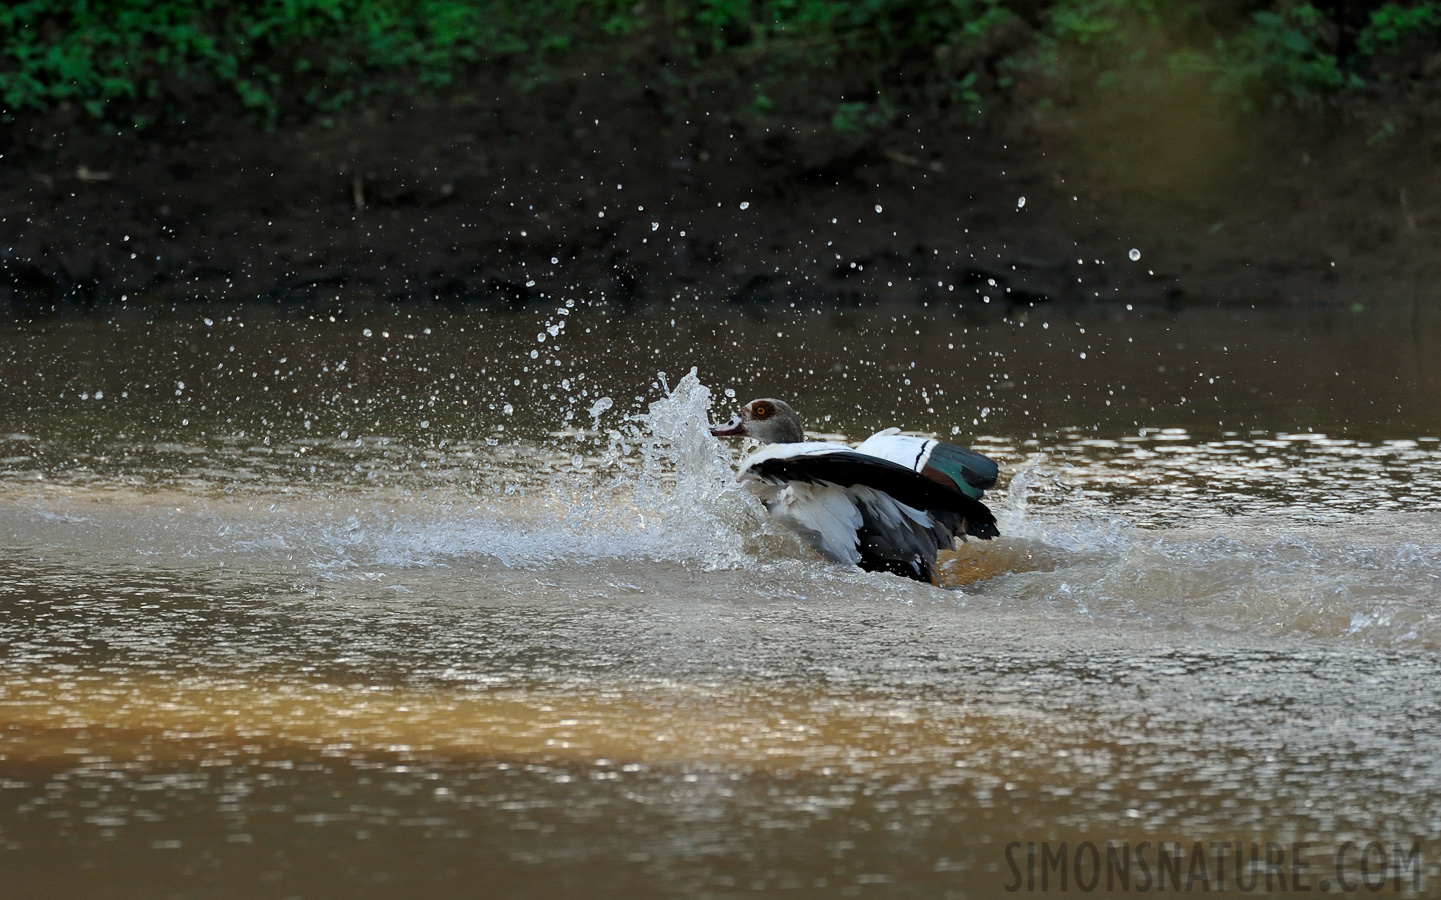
768,421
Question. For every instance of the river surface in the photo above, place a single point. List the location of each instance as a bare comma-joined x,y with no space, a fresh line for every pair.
422,602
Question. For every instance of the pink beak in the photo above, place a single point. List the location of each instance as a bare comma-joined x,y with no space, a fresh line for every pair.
735,426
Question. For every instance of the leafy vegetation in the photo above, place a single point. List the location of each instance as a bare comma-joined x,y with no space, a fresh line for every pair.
119,57
100,52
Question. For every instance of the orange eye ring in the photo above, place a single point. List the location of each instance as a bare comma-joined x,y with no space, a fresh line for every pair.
760,410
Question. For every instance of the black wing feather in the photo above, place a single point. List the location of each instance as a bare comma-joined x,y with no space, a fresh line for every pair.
848,468
909,551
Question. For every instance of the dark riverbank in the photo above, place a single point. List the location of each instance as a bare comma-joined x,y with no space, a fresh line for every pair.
644,180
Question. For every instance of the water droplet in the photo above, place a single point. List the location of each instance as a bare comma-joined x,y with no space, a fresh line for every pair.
655,226
878,207
1020,204
424,423
540,336
209,322
745,204
507,409
366,332
1134,254
554,260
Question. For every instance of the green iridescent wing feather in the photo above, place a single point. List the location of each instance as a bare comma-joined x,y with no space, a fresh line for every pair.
971,472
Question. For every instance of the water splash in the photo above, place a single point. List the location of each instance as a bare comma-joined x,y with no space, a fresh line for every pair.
1070,547
684,483
682,464
1245,535
662,489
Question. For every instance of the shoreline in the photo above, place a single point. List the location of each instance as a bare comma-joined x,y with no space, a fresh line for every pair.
596,184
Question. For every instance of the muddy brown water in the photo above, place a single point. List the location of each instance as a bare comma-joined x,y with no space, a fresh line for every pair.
415,602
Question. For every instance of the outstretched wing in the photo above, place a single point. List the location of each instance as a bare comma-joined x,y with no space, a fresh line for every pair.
947,464
950,511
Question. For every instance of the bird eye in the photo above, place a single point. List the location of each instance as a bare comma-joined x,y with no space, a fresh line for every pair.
760,410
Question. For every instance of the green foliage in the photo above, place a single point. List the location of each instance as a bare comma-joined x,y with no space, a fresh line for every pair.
97,52
858,117
138,57
1394,23
964,92
1288,48
1290,51
1286,51
1103,23
1383,134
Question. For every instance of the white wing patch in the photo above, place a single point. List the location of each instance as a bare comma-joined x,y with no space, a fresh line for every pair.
836,520
911,452
890,512
823,514
829,517
790,451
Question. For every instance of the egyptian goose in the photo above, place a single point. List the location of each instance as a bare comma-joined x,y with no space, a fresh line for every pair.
889,505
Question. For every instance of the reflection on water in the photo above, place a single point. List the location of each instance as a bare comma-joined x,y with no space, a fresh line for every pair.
393,606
